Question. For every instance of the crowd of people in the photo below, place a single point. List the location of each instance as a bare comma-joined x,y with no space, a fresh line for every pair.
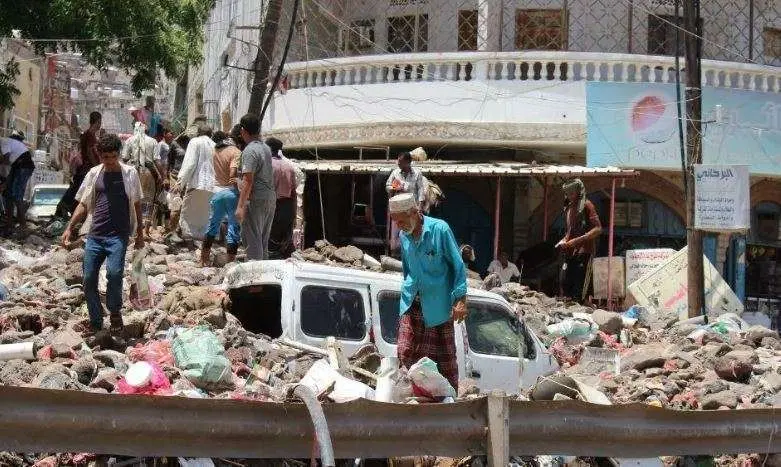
196,189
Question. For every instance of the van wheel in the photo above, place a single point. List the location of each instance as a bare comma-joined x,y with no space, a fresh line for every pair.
548,386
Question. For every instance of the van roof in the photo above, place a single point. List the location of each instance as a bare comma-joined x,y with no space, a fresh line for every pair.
257,272
51,185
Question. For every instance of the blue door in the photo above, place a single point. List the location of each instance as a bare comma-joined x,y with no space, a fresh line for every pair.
471,224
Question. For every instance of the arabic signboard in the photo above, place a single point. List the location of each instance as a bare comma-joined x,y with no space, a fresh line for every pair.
665,288
599,274
636,125
722,201
641,262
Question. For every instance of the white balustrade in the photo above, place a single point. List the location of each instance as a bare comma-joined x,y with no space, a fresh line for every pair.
525,66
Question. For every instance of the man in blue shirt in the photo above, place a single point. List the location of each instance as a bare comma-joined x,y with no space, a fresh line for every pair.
433,293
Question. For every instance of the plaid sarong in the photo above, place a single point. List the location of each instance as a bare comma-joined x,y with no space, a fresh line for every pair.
416,341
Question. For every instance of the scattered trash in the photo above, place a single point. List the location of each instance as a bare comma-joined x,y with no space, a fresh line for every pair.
144,378
322,377
158,351
201,357
576,329
140,295
19,351
428,382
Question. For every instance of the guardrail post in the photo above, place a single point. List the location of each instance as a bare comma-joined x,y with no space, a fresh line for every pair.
498,429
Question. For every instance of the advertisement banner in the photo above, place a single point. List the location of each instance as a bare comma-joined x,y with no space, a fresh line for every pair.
641,262
635,125
722,197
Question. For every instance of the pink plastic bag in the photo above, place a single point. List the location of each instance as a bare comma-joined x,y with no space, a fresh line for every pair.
158,385
153,351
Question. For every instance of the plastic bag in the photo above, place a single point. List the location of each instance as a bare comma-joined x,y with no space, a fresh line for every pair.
427,381
201,357
158,383
574,329
153,351
140,294
321,377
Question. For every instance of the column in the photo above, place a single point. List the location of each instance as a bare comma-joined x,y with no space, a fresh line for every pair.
489,25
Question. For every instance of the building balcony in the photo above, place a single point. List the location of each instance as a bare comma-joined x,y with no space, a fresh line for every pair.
534,99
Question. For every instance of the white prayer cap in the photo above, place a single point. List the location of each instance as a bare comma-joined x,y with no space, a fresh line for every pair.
402,203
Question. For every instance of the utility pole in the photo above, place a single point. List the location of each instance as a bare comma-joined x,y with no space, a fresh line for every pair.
691,21
268,39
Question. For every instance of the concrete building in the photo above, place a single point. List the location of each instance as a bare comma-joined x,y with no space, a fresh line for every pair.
501,80
25,113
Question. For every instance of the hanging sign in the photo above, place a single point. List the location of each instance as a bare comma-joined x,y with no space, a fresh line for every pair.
722,197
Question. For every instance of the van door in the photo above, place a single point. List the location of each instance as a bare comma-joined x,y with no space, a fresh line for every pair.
494,338
324,308
386,326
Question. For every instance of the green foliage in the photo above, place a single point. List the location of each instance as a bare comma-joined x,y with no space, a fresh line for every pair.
141,37
7,84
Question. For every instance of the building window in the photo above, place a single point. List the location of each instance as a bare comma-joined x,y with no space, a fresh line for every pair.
662,30
772,38
408,33
541,29
467,29
331,311
359,37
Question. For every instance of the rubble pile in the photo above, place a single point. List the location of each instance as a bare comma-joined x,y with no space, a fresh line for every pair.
652,357
189,344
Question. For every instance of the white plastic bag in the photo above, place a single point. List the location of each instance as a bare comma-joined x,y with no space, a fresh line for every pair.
427,378
140,294
321,376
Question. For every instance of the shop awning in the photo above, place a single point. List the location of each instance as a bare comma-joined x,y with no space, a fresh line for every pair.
465,168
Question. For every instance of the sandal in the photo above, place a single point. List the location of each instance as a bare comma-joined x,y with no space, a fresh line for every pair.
116,325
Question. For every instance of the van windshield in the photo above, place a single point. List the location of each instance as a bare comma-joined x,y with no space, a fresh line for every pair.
493,331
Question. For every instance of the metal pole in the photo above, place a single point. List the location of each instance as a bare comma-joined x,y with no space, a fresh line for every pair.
751,29
610,246
694,152
496,216
545,211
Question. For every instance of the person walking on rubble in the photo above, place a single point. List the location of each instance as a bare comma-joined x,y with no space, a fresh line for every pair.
87,159
258,199
195,182
110,200
225,199
433,291
579,242
280,241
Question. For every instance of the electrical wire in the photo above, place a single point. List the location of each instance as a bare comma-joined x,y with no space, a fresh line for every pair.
282,60
678,97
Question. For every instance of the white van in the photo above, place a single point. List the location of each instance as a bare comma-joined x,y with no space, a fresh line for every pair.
307,302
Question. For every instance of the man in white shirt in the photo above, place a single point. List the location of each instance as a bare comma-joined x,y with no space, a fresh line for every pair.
503,268
405,179
196,177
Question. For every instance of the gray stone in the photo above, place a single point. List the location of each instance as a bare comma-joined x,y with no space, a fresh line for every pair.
158,249
757,333
56,380
733,370
136,323
720,399
156,269
770,343
13,337
106,379
771,382
348,254
85,369
75,256
743,356
312,255
74,274
715,387
608,321
643,358
16,373
65,341
113,359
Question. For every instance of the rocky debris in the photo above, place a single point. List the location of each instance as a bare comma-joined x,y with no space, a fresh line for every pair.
608,321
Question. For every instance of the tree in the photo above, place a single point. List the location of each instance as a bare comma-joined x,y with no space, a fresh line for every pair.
8,89
140,37
268,39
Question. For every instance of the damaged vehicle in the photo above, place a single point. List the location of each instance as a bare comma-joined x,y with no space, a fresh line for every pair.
307,302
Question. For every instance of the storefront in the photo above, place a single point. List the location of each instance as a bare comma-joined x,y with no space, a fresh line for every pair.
763,262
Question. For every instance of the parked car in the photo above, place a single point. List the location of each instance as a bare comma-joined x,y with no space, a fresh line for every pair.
43,201
308,302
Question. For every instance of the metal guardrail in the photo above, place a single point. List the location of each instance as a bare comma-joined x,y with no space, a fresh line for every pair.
35,420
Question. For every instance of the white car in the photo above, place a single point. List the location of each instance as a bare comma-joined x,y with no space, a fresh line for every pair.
43,201
307,302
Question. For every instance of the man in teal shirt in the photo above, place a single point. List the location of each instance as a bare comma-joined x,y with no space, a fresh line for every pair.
433,293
